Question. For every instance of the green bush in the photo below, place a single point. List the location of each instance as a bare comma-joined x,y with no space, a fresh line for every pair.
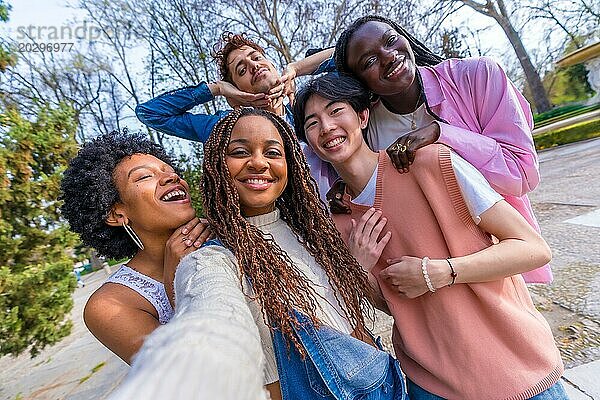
569,134
36,267
35,302
112,261
560,113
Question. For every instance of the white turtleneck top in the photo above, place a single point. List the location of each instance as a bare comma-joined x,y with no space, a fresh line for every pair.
217,344
329,312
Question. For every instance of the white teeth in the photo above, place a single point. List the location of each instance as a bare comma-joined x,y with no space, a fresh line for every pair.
172,194
255,181
334,142
397,68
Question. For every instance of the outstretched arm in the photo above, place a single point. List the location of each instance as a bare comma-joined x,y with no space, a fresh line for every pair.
211,348
519,249
315,63
169,112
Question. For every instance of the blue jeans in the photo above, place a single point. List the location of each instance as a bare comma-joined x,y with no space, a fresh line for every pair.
554,392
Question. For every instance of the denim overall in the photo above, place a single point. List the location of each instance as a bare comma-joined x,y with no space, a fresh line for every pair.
337,366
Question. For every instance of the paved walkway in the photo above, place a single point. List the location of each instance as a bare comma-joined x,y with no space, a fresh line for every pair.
77,368
567,205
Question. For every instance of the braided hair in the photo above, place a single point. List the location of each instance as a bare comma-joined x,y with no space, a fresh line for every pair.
423,55
277,285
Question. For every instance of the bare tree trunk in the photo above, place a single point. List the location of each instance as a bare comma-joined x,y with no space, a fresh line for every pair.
538,92
496,9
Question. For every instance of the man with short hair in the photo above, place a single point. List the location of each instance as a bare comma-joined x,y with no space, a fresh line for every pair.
248,78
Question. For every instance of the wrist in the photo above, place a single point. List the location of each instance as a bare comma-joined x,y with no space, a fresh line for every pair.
293,69
215,88
440,273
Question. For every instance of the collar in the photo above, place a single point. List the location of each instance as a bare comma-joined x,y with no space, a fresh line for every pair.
432,86
264,219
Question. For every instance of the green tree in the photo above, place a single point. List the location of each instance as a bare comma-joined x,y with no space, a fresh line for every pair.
36,280
7,58
569,84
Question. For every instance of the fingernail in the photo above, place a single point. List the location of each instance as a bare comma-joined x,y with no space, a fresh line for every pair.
188,243
197,244
185,231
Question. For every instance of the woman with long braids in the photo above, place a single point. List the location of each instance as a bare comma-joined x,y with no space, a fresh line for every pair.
279,282
464,324
468,104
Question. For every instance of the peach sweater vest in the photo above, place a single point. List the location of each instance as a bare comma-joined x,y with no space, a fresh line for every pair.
469,341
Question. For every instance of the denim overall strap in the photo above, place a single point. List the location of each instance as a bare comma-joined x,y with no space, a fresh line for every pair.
298,379
212,242
337,366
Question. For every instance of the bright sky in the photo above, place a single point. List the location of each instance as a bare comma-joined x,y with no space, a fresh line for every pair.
39,13
56,13
50,15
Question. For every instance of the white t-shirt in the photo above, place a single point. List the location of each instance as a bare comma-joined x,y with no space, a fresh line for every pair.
386,127
475,189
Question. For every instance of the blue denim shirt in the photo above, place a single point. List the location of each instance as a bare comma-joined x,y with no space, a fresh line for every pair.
337,366
168,113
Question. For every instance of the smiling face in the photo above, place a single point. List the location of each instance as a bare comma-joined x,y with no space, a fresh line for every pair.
153,197
333,129
250,71
256,161
382,59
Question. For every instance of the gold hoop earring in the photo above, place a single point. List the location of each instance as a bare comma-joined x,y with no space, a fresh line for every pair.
136,239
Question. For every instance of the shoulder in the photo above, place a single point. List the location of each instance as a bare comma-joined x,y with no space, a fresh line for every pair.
429,156
111,300
468,64
114,296
470,70
120,319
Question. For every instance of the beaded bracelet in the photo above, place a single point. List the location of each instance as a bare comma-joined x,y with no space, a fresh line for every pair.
453,273
424,262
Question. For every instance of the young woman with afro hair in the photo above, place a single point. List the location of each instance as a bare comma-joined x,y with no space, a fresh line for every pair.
124,197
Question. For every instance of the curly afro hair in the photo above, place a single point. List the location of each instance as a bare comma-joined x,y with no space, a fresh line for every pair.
89,191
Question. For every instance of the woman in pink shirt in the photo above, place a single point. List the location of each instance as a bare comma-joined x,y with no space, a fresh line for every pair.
467,104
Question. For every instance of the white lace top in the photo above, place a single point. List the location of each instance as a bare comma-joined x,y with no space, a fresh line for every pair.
150,289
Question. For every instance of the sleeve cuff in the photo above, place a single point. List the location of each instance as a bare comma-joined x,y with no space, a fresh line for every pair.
201,93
